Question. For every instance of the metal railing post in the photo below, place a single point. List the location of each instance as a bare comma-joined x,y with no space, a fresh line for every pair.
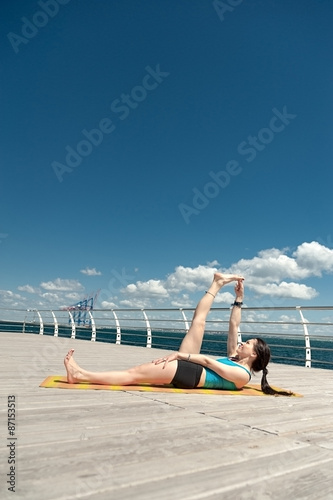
56,331
187,326
72,324
148,329
306,339
118,336
41,326
93,327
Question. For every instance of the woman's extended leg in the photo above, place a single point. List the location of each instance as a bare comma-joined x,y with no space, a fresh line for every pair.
193,339
148,373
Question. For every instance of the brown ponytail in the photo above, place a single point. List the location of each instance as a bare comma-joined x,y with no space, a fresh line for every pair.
260,363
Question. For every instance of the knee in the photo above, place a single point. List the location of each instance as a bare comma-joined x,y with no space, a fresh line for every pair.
134,374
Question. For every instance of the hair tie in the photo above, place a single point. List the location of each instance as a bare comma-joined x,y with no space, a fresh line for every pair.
265,371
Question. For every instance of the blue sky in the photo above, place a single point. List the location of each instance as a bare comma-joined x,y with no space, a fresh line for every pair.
147,144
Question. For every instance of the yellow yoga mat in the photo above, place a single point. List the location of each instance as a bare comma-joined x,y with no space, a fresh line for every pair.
60,382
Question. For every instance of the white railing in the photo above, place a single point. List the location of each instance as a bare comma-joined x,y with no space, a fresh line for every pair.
298,327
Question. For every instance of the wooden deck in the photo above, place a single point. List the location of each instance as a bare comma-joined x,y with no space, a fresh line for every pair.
123,445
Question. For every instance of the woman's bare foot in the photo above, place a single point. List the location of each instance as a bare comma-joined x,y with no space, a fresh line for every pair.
222,279
72,368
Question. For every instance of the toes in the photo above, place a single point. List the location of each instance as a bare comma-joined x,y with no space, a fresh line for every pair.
69,354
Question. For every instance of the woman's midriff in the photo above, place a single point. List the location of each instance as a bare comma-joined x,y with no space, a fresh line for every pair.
202,378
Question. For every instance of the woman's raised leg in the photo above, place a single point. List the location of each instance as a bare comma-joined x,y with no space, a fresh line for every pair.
193,339
148,373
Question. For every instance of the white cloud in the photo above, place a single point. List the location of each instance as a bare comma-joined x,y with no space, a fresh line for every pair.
90,271
9,294
136,303
266,273
286,290
182,301
309,259
51,292
190,279
270,265
73,296
10,299
62,285
50,297
271,275
315,258
108,305
28,289
214,263
182,279
151,288
272,272
225,298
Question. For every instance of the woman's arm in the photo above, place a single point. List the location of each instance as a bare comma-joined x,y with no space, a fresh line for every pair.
231,373
235,319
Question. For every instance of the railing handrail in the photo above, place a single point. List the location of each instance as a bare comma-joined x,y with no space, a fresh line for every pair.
226,308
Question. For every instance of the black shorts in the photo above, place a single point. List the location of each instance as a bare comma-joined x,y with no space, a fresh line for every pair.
187,375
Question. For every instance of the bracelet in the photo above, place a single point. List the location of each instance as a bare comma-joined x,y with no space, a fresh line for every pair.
238,304
211,294
188,357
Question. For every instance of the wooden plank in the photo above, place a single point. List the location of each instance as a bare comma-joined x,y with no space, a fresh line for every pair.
104,444
191,475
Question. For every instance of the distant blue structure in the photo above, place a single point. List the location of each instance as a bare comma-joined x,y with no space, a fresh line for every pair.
80,311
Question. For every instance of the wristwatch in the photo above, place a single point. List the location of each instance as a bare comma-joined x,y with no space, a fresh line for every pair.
238,304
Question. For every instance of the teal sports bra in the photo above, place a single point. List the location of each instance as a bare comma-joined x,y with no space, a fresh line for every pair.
214,381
